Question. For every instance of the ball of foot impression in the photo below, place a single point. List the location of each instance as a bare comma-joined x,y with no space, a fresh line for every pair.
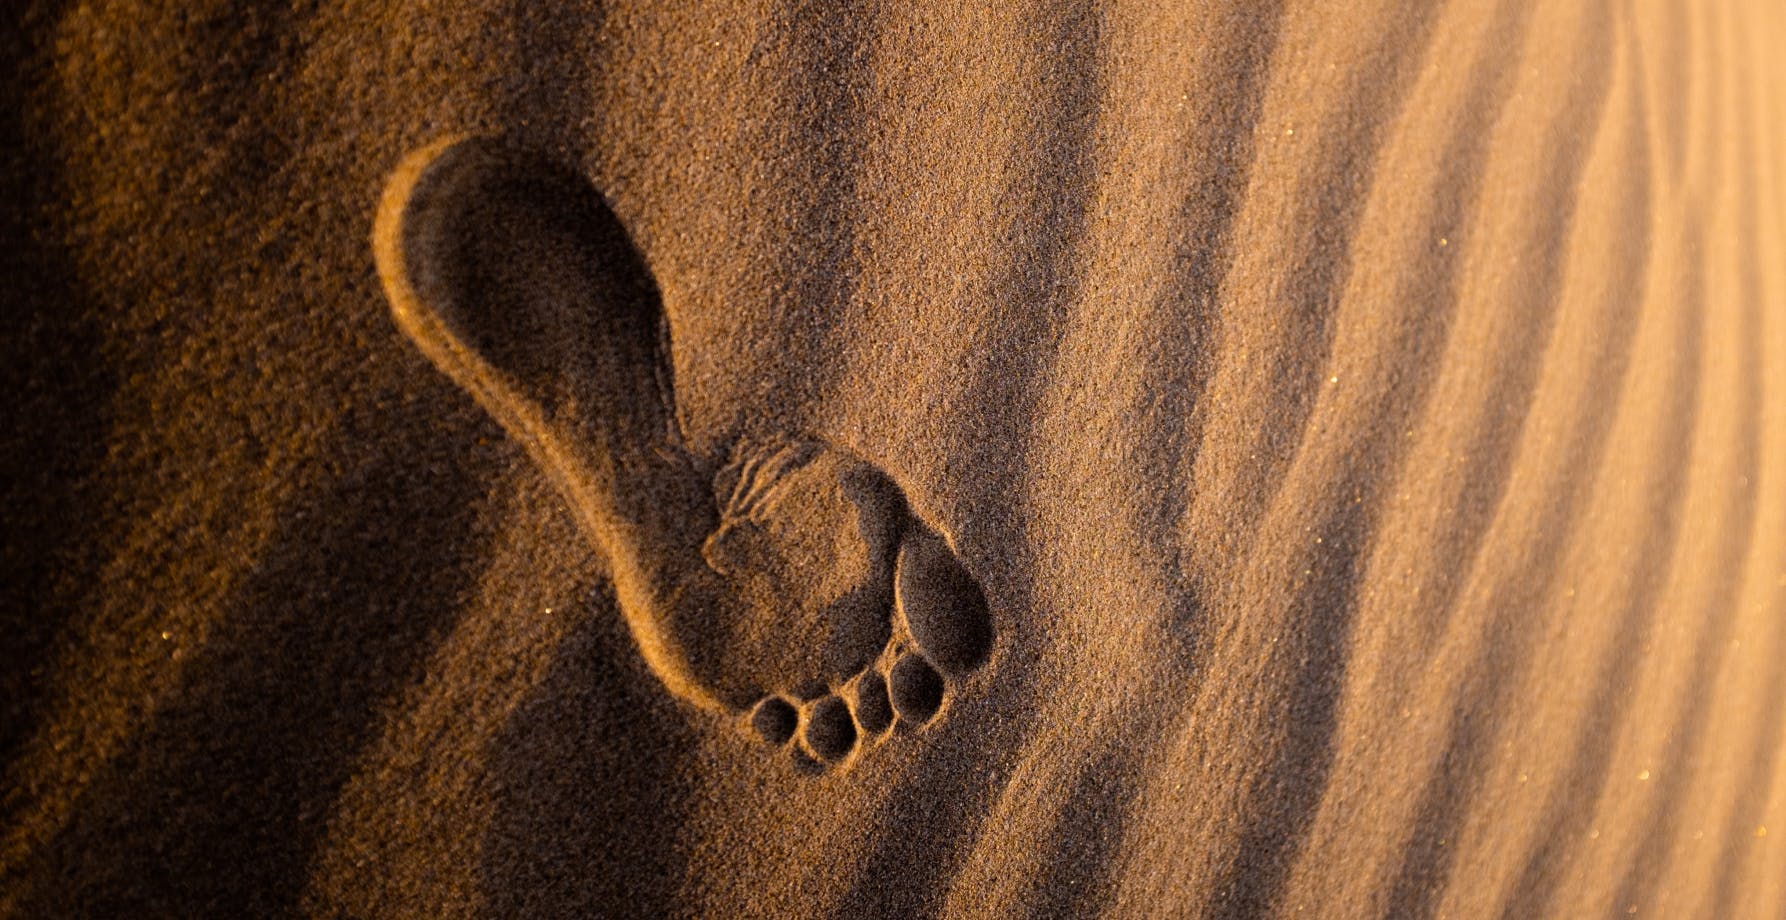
808,537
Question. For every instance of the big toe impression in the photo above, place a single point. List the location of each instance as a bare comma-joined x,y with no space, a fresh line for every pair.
942,603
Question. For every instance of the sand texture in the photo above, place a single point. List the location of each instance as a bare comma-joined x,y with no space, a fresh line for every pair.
894,459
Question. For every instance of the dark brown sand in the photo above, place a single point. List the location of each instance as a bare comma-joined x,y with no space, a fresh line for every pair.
1366,421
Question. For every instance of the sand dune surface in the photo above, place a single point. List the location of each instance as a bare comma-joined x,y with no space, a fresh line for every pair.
859,459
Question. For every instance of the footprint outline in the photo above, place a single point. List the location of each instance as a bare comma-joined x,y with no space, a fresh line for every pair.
586,387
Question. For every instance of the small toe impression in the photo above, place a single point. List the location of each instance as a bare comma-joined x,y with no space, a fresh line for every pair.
775,720
942,604
873,710
916,690
830,731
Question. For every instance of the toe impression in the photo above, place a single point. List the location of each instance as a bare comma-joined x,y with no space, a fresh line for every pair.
830,730
916,690
942,603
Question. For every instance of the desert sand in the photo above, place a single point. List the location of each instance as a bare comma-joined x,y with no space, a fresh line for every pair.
1320,459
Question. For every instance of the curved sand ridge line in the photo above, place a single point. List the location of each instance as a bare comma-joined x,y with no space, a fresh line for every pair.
1352,430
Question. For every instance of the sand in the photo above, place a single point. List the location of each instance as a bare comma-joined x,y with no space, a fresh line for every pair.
1269,459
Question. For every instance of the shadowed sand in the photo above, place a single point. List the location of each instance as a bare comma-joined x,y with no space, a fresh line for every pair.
1353,431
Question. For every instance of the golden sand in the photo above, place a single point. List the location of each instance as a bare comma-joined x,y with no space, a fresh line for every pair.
1364,422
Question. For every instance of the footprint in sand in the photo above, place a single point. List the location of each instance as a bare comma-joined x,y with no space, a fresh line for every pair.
859,607
789,585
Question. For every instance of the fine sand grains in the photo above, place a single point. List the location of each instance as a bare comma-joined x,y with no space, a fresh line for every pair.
895,459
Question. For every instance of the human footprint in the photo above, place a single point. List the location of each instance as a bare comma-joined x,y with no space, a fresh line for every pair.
937,629
789,585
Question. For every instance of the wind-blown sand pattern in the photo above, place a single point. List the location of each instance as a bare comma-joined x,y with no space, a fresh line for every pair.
1363,423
